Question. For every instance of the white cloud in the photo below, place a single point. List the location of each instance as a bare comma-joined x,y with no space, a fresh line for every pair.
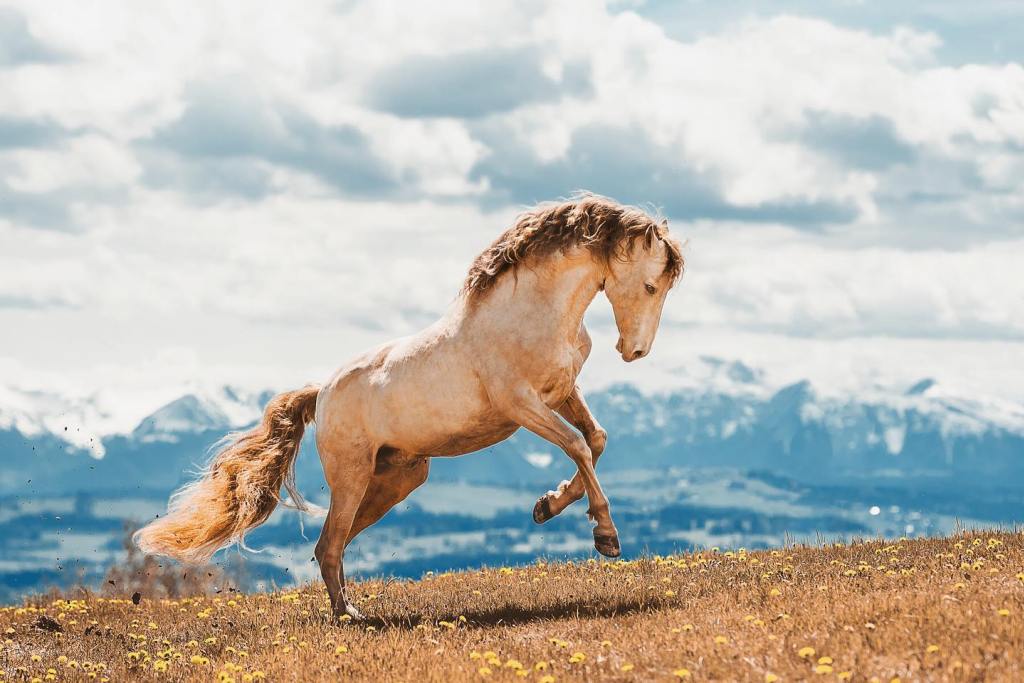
782,281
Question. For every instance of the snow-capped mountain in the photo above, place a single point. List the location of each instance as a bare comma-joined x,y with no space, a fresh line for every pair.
722,413
224,408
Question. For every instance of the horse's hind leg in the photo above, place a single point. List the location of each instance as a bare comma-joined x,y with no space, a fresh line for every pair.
576,411
395,478
348,467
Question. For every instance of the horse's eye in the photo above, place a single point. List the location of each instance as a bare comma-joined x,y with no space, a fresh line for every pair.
651,289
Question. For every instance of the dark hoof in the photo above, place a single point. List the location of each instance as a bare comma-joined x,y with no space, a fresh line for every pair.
607,545
542,510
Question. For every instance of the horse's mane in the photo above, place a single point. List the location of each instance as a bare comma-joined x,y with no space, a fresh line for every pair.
588,220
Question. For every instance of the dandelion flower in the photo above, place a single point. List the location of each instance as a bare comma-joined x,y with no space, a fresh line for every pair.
806,652
823,669
626,668
577,657
844,675
770,678
1003,612
932,648
546,679
824,660
721,640
681,673
484,671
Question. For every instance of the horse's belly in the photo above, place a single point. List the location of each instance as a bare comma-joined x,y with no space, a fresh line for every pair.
473,439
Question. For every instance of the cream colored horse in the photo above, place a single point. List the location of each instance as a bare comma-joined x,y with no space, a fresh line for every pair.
506,355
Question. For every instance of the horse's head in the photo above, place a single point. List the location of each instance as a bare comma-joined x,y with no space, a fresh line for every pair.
638,281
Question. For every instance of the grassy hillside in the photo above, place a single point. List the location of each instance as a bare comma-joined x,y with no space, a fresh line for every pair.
943,609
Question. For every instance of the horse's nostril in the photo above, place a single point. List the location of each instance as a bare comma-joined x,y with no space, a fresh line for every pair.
639,353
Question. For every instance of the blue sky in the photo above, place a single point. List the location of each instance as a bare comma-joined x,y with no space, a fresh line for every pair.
239,191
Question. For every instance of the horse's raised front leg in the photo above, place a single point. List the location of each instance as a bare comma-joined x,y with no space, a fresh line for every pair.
574,410
526,408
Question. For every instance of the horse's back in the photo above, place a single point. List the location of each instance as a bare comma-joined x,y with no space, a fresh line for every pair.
419,394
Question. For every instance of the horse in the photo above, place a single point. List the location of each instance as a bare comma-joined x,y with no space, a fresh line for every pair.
505,356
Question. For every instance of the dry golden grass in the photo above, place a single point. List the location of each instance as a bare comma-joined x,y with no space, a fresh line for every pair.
942,609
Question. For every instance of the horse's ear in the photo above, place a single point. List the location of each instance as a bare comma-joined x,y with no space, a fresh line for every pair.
664,223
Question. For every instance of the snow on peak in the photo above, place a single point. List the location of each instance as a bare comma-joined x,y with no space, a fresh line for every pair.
223,408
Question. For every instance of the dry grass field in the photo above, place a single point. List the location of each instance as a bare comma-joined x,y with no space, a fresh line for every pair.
921,610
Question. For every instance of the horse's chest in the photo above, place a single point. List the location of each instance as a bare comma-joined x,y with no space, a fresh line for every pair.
559,383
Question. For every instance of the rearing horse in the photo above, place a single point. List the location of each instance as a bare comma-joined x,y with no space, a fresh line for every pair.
506,355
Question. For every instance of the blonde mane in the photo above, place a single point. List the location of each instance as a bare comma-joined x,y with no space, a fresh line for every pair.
598,223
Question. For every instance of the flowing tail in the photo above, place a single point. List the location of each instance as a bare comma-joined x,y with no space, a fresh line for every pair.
239,488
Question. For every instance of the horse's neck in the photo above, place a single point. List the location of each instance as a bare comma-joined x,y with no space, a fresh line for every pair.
546,299
574,287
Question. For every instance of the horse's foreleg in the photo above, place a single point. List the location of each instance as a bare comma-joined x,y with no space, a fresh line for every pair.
348,471
576,411
526,408
390,485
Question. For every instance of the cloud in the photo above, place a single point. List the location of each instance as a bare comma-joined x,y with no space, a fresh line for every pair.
227,122
17,43
626,164
42,186
785,283
33,209
23,132
473,84
736,123
869,143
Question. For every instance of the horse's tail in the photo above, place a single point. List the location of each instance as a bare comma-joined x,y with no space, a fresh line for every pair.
239,488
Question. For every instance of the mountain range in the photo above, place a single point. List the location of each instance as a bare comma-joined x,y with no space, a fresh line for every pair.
54,445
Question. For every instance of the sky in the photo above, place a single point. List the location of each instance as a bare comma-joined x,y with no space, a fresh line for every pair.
253,192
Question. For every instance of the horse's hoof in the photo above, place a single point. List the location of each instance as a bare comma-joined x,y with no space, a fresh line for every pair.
607,545
542,510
